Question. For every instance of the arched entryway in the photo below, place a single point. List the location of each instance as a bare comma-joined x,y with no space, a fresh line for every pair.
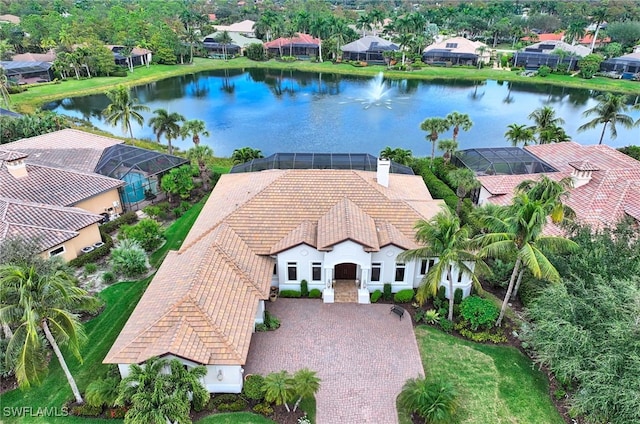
345,271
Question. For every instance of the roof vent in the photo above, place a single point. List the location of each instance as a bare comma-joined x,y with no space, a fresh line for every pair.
581,174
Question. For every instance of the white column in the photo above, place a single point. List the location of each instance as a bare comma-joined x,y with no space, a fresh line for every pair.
365,278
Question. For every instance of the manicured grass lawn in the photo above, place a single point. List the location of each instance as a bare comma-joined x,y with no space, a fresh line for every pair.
120,300
235,418
40,94
496,384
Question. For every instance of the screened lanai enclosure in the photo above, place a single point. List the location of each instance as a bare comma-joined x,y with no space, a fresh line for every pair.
500,161
27,72
357,161
141,169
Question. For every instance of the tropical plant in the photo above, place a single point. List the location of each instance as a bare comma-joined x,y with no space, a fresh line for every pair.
201,155
609,110
434,400
5,100
450,147
245,154
544,118
178,181
128,258
589,65
38,303
167,124
458,121
225,39
552,193
398,155
123,109
443,237
147,232
103,391
517,134
188,380
305,385
278,388
194,128
434,126
464,179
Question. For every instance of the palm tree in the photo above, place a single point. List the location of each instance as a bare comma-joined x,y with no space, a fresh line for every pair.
544,118
364,23
404,40
4,90
552,193
166,123
518,233
267,23
434,400
459,121
481,50
278,388
444,238
449,147
398,155
553,134
599,15
319,28
193,128
609,110
189,381
41,302
376,17
519,134
245,154
305,385
465,181
225,40
434,126
575,31
123,109
201,155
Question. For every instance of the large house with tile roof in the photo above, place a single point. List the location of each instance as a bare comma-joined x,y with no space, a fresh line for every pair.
606,182
340,230
302,46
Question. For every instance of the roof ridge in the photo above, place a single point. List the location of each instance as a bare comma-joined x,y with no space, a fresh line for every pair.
18,224
229,259
69,209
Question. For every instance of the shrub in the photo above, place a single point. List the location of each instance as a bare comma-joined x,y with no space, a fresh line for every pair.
419,316
442,293
148,233
403,296
108,278
544,71
445,324
95,254
255,51
253,387
478,312
435,400
431,317
218,400
304,288
386,291
117,413
238,405
263,409
261,328
375,296
90,268
129,259
457,296
290,293
126,218
483,336
315,293
86,410
102,391
270,321
437,188
153,211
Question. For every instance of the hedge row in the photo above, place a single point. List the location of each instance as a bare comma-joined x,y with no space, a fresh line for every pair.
437,188
126,218
95,254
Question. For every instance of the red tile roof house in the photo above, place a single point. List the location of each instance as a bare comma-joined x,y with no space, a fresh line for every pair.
341,230
606,183
302,46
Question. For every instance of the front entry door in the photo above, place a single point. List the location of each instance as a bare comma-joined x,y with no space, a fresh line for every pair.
345,271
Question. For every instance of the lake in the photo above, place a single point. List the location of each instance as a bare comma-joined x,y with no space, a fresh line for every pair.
290,111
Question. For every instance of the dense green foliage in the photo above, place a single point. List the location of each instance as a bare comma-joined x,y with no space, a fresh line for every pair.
434,400
253,387
403,296
179,181
290,293
315,293
375,296
12,129
478,312
147,232
437,188
128,259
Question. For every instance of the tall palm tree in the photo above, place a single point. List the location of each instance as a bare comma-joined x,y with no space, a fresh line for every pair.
41,302
519,133
167,124
434,126
398,155
481,50
305,384
553,134
609,110
267,23
449,147
552,193
364,23
443,237
225,40
459,121
193,128
201,155
543,118
5,101
123,109
278,388
598,16
517,232
404,40
319,27
245,154
465,181
575,31
376,18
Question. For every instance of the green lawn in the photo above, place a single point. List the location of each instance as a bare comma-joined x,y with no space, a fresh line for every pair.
40,94
120,300
496,384
235,418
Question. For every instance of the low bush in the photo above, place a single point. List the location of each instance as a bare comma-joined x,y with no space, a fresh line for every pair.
129,259
437,188
153,211
270,321
148,233
304,288
261,328
431,317
263,409
445,324
386,291
442,293
126,218
253,387
479,312
95,254
457,296
108,278
86,410
375,296
483,336
90,268
237,406
530,289
315,293
403,296
544,71
219,399
290,293
117,413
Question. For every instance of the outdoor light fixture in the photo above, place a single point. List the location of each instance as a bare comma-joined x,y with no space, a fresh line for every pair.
220,376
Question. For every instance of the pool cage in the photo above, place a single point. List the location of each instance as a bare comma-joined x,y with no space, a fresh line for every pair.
141,169
501,161
356,161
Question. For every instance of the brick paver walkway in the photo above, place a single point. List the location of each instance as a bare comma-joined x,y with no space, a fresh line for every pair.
362,353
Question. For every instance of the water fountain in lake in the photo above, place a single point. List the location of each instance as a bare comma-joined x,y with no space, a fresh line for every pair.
376,93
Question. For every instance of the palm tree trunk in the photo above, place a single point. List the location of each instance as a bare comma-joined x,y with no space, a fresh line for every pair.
169,146
602,135
433,151
450,280
516,269
63,364
595,36
287,407
7,331
515,290
295,406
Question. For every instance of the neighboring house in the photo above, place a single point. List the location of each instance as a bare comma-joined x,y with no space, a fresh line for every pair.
584,41
302,46
9,113
456,51
49,56
27,72
137,57
606,183
542,54
244,28
627,65
369,49
9,19
237,45
340,230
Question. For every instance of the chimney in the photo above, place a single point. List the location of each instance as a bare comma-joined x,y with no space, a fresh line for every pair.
582,171
15,162
382,173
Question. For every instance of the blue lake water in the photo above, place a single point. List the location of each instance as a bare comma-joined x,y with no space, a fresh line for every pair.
290,111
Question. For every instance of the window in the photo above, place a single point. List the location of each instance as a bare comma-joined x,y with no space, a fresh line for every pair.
460,276
57,251
399,272
275,269
292,271
316,271
375,271
426,265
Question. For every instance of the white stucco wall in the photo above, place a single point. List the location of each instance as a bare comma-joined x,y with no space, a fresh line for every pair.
303,255
388,257
465,281
260,313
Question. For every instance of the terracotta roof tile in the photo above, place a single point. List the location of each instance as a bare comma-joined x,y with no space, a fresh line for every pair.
300,38
346,221
305,233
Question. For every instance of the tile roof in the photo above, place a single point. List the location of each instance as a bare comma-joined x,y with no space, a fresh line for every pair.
299,39
67,148
48,225
612,192
202,302
53,186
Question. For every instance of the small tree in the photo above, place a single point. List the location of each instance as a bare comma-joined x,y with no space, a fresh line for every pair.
179,181
147,232
589,65
305,385
278,388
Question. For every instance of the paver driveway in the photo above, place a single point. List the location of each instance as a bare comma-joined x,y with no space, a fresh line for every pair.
362,353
